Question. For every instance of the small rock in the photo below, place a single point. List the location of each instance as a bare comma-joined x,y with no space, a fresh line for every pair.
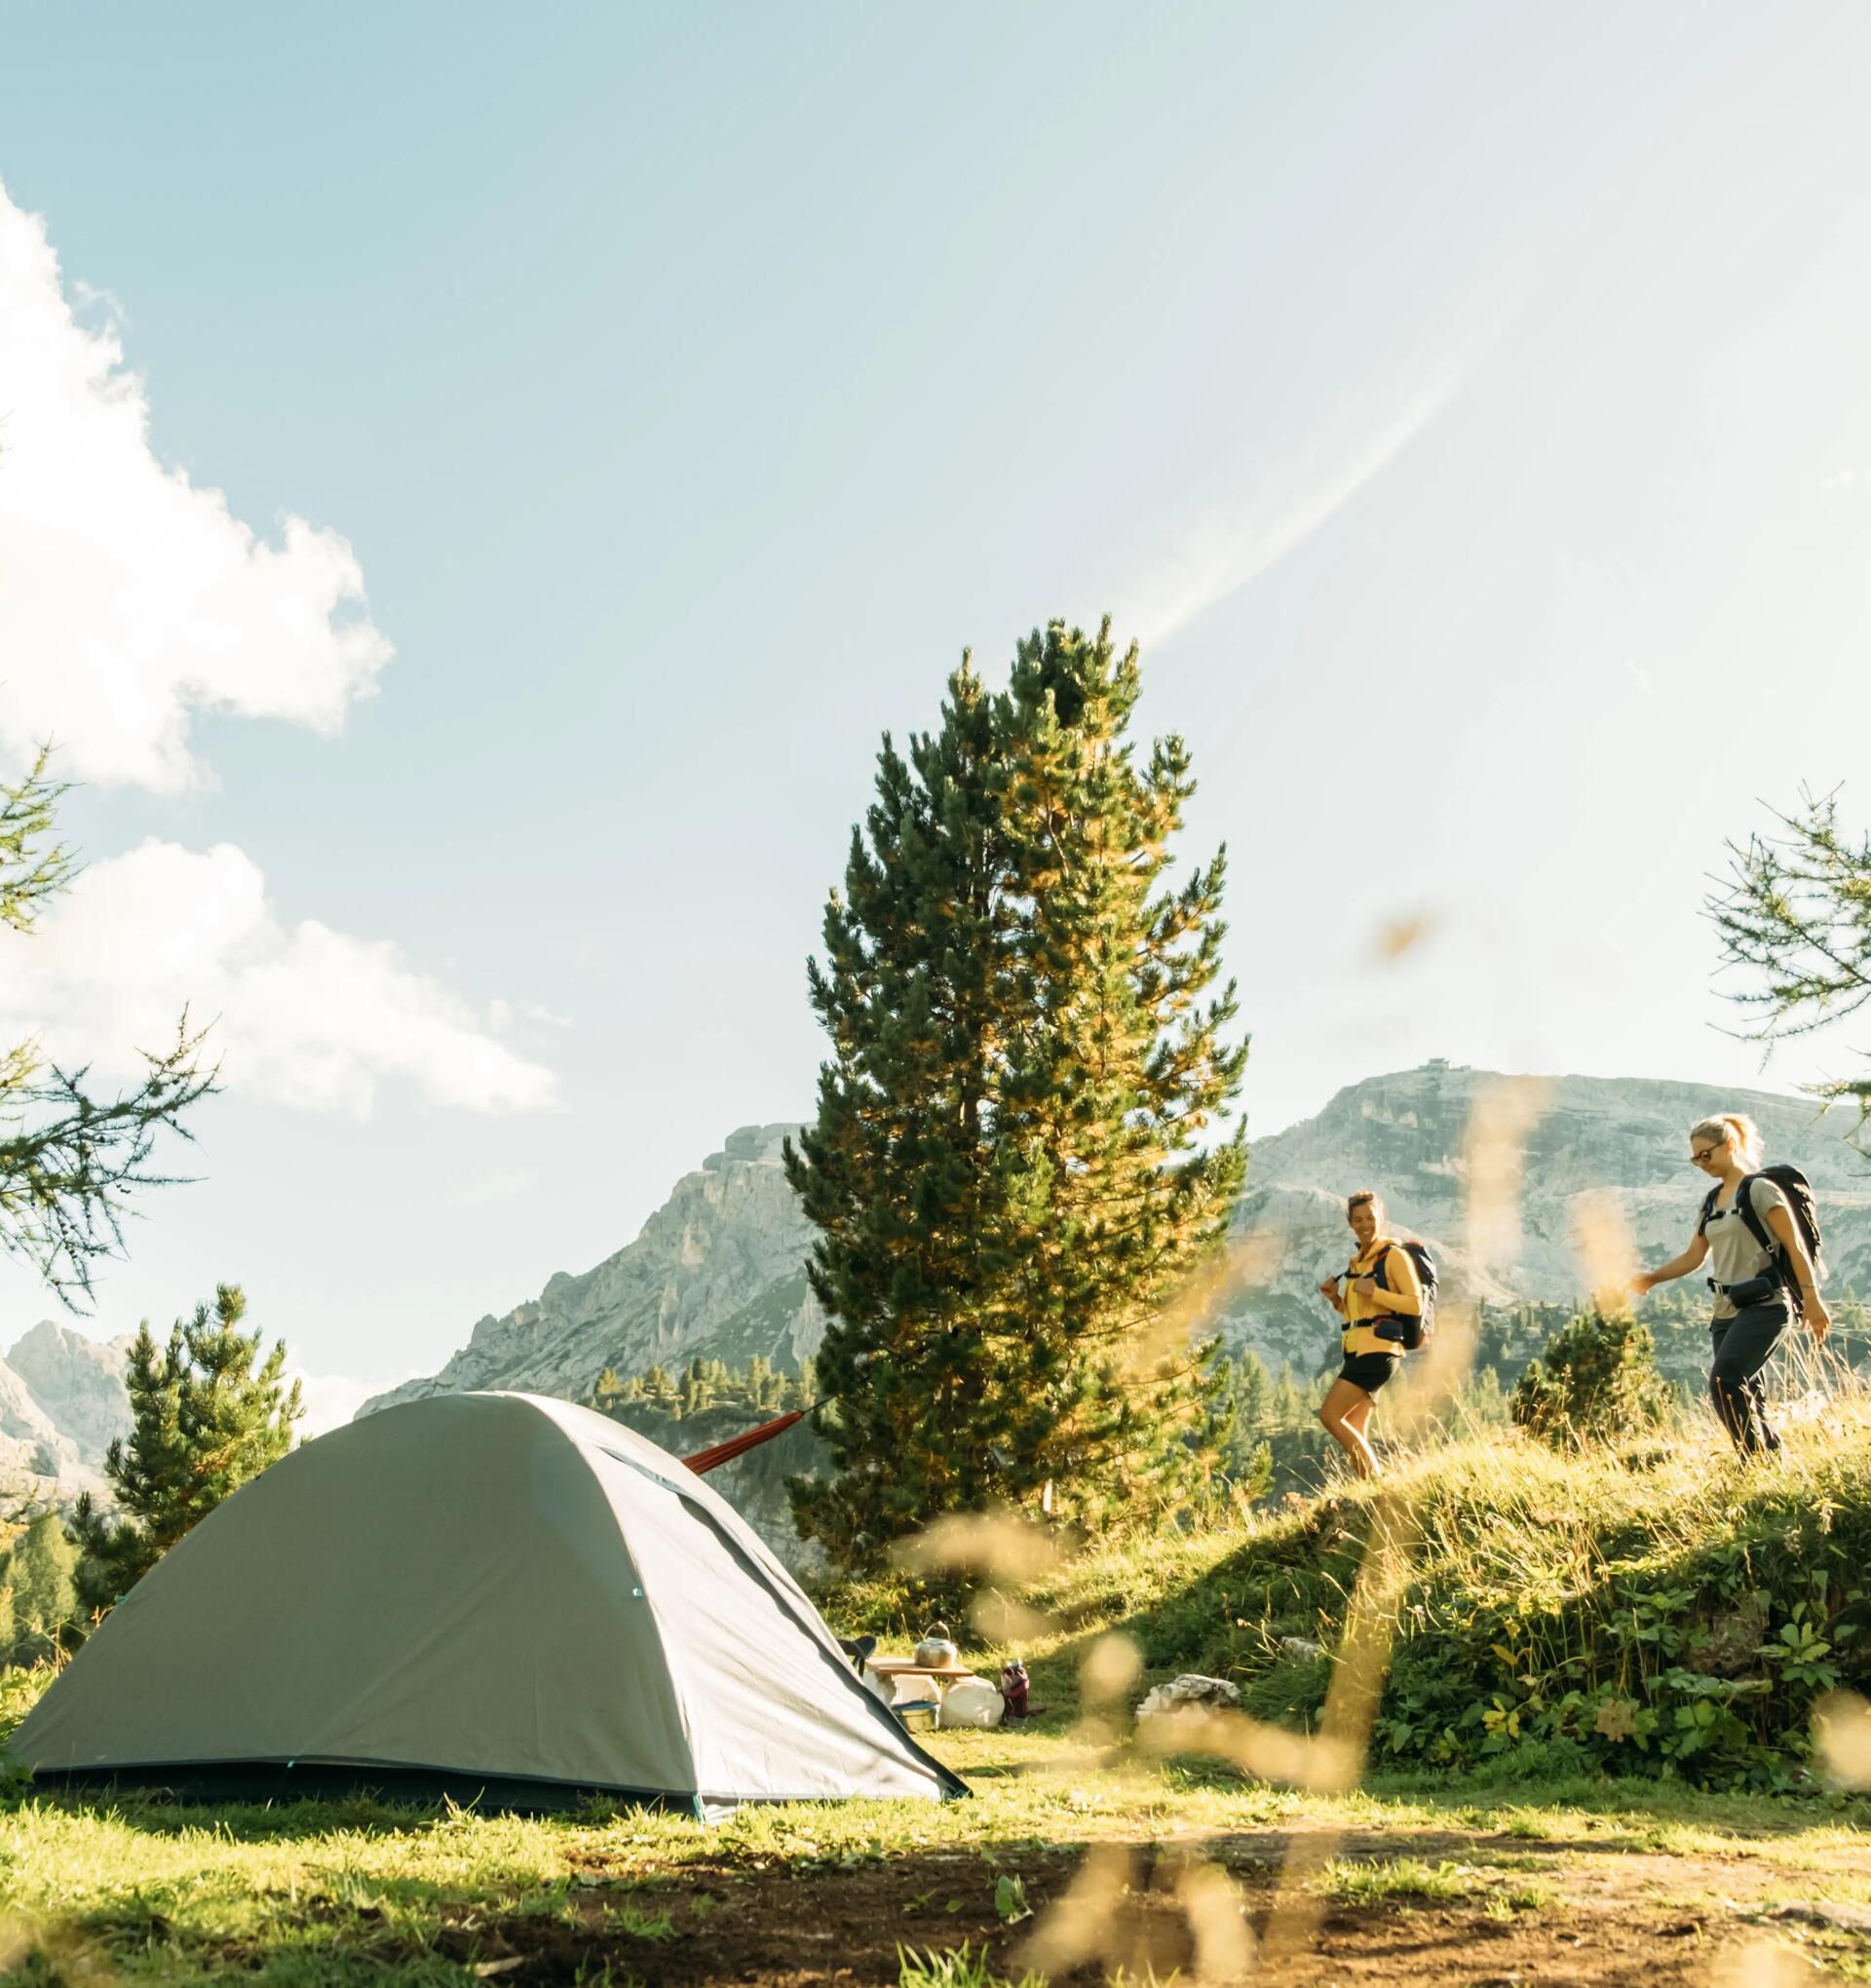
1302,1649
1826,1912
1190,1688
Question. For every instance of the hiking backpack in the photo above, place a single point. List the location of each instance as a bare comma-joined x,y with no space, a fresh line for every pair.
1418,1331
1798,1190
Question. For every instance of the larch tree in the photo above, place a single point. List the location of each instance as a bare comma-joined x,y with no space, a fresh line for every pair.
1795,913
208,1414
70,1158
1014,1167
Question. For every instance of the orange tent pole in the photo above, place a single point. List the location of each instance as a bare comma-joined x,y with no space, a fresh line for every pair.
707,1460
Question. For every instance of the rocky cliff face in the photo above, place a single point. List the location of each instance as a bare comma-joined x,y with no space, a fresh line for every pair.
78,1381
61,1402
719,1268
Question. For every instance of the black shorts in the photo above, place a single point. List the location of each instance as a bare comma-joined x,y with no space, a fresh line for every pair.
1368,1371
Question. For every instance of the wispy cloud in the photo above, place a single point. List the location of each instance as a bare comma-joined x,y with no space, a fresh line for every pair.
1291,496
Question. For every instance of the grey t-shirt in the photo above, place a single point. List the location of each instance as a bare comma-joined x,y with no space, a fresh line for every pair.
1734,1255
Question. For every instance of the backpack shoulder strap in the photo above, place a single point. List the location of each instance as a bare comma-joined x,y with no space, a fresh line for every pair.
1745,1208
1377,1269
1708,1207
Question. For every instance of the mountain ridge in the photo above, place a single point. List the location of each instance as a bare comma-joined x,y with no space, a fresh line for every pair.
718,1270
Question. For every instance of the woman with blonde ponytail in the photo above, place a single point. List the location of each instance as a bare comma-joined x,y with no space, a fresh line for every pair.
1756,1287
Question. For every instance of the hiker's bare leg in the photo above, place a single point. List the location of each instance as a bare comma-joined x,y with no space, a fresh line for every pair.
1345,1412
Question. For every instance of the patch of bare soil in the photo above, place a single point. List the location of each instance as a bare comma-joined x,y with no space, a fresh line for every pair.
1560,1915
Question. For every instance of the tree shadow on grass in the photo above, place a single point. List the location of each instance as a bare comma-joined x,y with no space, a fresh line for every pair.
1446,1911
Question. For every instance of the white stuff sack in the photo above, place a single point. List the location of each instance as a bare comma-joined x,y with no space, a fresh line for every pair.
974,1702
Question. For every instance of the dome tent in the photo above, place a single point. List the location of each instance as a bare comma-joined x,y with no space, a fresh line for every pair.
492,1595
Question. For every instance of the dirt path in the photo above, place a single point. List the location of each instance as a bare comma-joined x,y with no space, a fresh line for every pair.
1480,1910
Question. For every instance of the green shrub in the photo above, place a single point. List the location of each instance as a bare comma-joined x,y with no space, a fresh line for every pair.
1598,1381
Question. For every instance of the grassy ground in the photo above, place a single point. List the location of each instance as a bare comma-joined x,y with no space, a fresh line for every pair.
1588,1880
1530,1846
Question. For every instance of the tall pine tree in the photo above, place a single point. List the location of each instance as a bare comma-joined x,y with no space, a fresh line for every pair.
1009,1167
1117,1076
205,1419
901,1171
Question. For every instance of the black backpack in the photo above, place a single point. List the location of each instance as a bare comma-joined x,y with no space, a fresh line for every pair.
1415,1332
1798,1190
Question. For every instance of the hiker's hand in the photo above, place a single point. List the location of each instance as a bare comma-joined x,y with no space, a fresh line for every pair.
1364,1287
1328,1288
1818,1317
1642,1284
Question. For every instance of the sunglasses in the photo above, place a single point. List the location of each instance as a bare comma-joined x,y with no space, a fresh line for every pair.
1701,1155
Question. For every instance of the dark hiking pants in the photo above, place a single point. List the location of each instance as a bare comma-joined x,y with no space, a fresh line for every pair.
1744,1345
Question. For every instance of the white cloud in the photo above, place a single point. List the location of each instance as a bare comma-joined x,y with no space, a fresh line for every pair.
129,596
332,1399
303,1016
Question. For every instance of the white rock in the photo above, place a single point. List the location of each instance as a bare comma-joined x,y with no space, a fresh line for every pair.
1301,1648
1190,1688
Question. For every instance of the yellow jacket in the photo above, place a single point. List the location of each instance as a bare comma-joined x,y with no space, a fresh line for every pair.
1403,1293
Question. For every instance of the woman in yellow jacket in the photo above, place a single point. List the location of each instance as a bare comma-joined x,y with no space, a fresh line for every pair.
1373,1345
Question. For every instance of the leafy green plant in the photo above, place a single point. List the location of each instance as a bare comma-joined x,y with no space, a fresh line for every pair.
1009,1899
1799,1651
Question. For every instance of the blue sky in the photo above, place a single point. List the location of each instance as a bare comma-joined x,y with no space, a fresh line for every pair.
1465,405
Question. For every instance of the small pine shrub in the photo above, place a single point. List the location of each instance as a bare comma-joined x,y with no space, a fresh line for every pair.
1597,1383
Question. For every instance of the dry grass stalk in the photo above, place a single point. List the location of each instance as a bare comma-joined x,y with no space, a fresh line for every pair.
1001,1544
1842,1732
1607,1250
1494,1163
1110,1666
1212,1903
1400,935
1082,1925
1764,1964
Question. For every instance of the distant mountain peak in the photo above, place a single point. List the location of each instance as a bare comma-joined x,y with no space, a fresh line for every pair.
717,1268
